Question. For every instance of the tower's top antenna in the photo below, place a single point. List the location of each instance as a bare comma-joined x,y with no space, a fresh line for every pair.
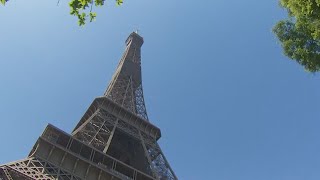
137,31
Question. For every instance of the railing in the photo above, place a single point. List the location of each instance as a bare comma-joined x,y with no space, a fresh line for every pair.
6,173
102,160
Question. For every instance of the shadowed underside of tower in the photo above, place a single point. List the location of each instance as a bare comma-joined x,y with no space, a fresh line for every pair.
113,140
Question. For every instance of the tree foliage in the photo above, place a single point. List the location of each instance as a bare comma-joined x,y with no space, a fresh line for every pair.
300,33
3,1
82,9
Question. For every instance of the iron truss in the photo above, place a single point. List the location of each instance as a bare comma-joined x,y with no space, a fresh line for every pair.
105,144
97,132
34,168
125,87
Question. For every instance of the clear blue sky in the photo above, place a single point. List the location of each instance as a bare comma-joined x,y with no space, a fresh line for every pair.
229,104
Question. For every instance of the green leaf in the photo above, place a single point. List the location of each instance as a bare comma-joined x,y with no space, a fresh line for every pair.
92,16
119,2
99,2
82,19
82,9
3,2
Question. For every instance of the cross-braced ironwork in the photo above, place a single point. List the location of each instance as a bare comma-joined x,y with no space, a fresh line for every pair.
113,140
125,87
33,168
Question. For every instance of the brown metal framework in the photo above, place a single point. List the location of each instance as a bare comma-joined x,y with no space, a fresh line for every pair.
113,140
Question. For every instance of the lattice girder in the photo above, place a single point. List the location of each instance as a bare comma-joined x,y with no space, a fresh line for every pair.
125,87
113,140
33,168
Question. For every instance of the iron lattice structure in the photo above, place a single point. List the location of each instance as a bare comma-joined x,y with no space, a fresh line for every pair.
113,140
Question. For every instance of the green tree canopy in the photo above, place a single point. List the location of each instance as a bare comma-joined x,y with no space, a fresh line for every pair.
300,33
82,9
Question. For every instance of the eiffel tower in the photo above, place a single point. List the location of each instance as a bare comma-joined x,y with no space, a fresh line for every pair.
114,140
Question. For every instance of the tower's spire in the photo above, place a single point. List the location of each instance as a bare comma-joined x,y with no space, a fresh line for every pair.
125,88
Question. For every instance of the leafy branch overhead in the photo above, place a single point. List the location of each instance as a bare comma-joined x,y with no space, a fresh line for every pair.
300,33
82,9
3,1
